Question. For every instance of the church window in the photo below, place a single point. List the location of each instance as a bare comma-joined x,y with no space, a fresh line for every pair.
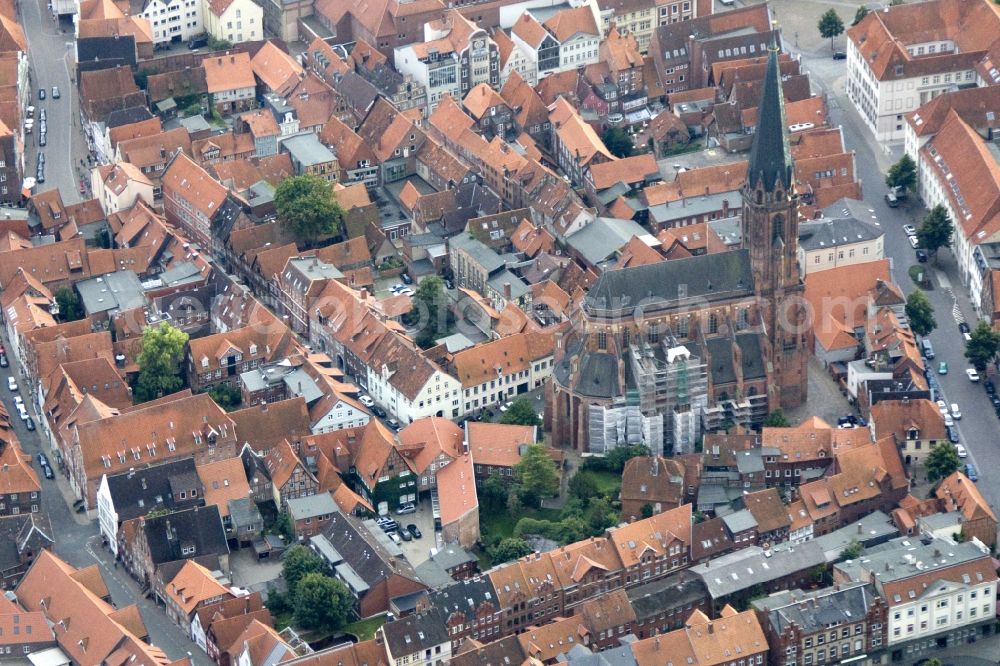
742,318
713,323
682,327
653,333
777,222
602,340
626,337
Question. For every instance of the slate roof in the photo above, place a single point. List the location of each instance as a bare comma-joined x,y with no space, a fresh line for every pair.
366,556
828,606
747,567
770,157
311,506
723,275
415,633
24,532
679,589
831,233
465,597
136,493
200,527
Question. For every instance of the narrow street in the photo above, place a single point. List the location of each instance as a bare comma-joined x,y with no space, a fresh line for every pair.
979,426
52,56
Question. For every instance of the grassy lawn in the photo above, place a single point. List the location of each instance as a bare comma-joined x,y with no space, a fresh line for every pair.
608,482
282,620
365,629
501,523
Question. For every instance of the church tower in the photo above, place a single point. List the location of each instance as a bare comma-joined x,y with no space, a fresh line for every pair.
770,228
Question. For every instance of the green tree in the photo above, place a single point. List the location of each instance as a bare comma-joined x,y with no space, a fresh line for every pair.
618,142
521,412
935,231
584,485
321,602
620,455
508,549
776,419
646,511
70,308
920,313
515,500
226,396
859,15
493,494
852,551
307,206
103,238
536,473
902,174
431,302
160,354
983,346
283,526
830,25
297,563
942,461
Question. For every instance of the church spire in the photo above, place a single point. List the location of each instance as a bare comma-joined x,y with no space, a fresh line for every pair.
770,157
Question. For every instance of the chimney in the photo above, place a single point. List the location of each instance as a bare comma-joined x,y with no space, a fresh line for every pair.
725,208
364,294
263,406
506,290
859,528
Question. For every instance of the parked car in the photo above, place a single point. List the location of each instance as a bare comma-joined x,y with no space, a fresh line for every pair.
963,327
366,401
839,55
41,93
995,399
990,389
42,115
942,407
909,230
956,413
395,537
448,284
405,508
389,526
405,535
3,361
948,421
406,292
970,471
972,374
43,460
405,277
198,42
47,471
414,530
378,411
943,368
396,288
29,423
914,242
55,92
12,385
393,424
922,256
960,450
43,139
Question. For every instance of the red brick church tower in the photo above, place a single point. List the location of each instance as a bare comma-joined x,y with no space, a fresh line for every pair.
770,232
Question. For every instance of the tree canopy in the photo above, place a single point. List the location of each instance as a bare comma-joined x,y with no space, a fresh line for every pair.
160,354
859,15
536,473
830,25
321,602
521,412
298,562
935,231
226,396
510,548
70,307
307,206
902,174
432,310
920,313
776,419
942,461
983,346
618,142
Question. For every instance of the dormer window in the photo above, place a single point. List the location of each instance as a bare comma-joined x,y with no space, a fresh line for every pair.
253,349
913,433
